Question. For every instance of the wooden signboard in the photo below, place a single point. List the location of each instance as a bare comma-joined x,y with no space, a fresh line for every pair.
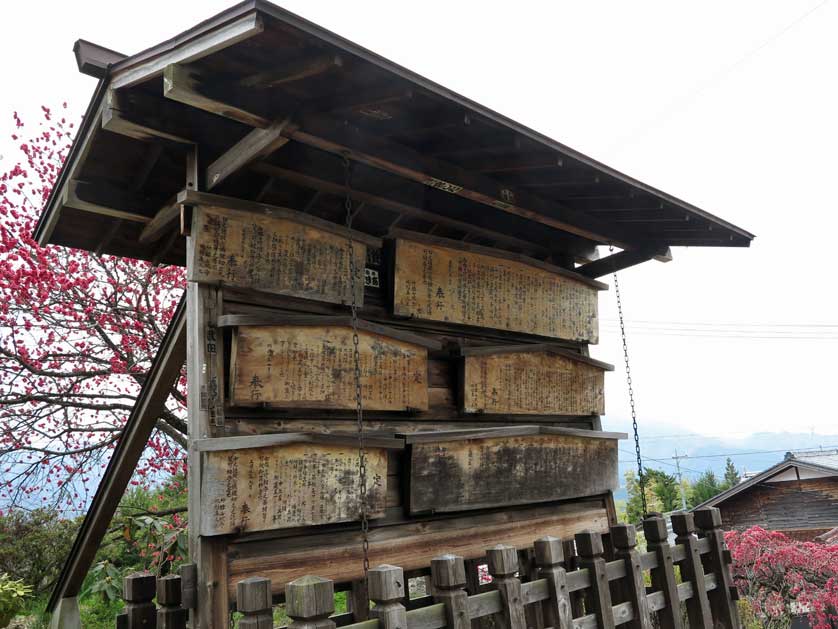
312,366
287,485
463,470
446,284
276,254
531,380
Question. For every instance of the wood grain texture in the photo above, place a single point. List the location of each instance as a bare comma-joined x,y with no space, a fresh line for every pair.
538,383
409,546
444,284
482,473
288,486
313,367
272,254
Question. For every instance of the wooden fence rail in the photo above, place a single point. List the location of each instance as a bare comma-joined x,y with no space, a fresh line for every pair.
598,594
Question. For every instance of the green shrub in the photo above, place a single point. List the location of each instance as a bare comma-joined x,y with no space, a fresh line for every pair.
13,595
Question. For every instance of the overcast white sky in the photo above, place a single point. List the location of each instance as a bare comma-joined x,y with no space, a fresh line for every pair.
729,105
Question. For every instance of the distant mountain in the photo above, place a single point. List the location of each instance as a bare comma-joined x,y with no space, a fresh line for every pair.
751,453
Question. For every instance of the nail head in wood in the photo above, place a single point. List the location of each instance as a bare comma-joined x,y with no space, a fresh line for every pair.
448,572
683,523
548,551
589,544
310,597
708,518
386,583
502,559
139,587
253,595
654,527
624,536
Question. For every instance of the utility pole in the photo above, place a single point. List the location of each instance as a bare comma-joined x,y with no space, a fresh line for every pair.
680,479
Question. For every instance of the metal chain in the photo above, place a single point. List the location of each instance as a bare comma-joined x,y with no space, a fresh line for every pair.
356,356
641,475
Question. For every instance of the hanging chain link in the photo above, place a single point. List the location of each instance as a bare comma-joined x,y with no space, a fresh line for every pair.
640,474
356,356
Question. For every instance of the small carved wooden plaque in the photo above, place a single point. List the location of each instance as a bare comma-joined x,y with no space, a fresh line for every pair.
445,284
313,367
276,255
495,472
259,489
531,383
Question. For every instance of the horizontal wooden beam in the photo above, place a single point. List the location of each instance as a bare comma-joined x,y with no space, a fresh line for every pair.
100,199
187,86
292,72
119,116
623,260
255,145
201,46
322,185
159,225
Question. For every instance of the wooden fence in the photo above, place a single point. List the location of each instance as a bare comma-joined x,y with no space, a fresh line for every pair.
606,587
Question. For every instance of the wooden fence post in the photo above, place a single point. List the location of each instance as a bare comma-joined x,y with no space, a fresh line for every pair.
692,570
386,589
253,599
188,585
170,615
549,557
663,577
571,558
631,588
503,564
589,547
448,576
138,590
723,598
309,601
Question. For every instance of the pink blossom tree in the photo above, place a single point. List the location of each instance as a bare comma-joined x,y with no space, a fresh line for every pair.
781,578
78,332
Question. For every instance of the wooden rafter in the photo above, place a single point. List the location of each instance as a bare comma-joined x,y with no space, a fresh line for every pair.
99,199
622,260
255,145
185,85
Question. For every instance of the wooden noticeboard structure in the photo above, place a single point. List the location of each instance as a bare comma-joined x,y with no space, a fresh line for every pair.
239,149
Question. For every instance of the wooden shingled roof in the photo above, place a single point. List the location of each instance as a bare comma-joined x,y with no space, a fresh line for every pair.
274,103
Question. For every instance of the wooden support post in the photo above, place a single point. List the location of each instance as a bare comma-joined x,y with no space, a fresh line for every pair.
663,577
138,590
170,615
503,564
448,574
528,571
632,588
723,598
309,601
359,598
253,599
188,583
387,589
549,557
572,563
589,546
698,606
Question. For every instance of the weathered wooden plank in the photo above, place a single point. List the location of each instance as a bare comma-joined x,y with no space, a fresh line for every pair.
481,473
313,367
255,145
131,73
531,383
273,254
443,284
219,444
288,486
89,198
623,260
338,556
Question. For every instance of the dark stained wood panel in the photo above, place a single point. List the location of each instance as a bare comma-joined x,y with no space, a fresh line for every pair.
450,476
440,283
531,383
275,487
302,366
272,254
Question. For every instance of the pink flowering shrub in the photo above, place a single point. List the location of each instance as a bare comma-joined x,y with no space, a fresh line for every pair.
781,578
78,332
